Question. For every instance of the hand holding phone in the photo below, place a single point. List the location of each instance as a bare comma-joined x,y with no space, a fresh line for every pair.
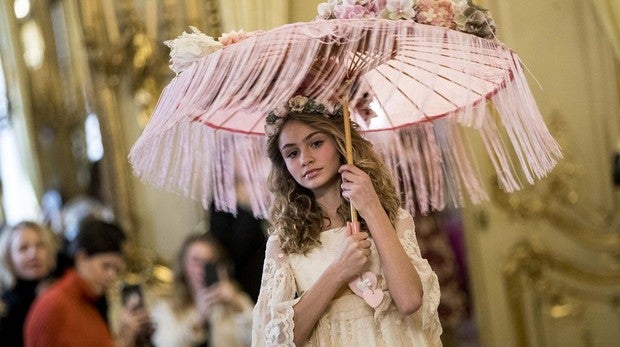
135,318
131,291
211,273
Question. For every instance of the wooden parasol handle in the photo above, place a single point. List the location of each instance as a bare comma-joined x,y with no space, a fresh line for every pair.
347,144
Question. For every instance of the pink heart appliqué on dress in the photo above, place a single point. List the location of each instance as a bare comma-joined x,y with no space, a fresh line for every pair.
365,286
373,297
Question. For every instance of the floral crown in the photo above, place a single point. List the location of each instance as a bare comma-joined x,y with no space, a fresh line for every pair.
298,104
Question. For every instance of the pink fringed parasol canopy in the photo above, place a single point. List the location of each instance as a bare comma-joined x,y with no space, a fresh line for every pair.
422,84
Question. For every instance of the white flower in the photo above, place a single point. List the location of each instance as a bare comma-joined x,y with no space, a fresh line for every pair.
460,6
399,9
189,48
326,9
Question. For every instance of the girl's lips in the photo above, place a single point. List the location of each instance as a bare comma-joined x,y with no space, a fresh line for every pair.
311,173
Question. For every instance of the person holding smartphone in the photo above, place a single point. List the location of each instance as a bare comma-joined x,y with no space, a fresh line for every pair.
204,307
66,314
133,302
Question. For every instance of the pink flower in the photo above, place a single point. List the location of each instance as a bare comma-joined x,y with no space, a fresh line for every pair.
346,11
378,5
435,12
232,37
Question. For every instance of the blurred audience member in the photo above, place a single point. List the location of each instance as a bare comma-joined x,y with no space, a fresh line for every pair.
204,307
51,204
27,256
73,212
79,208
66,314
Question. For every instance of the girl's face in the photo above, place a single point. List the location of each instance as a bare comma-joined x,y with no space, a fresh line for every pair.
30,256
197,255
311,156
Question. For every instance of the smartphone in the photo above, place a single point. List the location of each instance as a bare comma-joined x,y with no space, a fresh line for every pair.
211,276
130,290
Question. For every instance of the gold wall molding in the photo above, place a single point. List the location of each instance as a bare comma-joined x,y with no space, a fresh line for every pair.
123,41
542,286
46,110
96,57
555,199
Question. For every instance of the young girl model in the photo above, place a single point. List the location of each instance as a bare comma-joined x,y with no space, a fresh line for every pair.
313,253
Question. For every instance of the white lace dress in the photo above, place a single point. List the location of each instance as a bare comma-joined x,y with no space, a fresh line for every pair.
348,320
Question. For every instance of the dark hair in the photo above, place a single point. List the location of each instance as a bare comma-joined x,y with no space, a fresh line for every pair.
96,236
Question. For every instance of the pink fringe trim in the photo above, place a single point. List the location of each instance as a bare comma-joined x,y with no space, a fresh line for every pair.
206,134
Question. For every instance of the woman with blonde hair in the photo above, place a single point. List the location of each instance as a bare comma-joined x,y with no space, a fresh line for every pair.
27,257
203,307
327,281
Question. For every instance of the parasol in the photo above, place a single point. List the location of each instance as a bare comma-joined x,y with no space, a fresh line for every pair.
413,88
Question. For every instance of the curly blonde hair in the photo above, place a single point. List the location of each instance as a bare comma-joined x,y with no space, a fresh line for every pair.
296,218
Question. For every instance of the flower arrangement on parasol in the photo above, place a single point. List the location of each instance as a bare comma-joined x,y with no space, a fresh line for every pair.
413,74
461,15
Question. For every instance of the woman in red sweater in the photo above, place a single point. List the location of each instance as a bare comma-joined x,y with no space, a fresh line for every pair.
66,315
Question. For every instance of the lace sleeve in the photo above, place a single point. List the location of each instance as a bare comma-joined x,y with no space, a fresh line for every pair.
427,315
273,314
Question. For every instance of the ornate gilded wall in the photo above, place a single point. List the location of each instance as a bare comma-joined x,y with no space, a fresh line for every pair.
545,262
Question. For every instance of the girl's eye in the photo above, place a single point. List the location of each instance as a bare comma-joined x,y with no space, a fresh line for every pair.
291,154
316,144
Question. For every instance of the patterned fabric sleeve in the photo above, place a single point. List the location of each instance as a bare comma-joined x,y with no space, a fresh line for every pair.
427,315
273,314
